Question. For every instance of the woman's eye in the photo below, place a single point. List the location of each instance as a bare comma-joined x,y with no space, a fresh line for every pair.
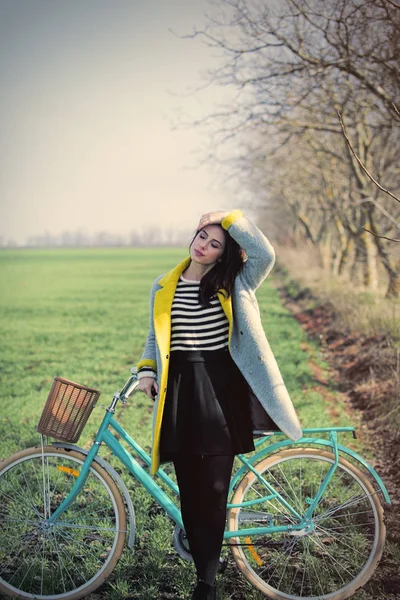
215,246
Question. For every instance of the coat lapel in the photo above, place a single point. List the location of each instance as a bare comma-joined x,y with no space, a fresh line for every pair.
226,304
162,306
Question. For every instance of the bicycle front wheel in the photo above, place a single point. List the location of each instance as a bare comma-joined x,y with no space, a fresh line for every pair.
341,544
71,557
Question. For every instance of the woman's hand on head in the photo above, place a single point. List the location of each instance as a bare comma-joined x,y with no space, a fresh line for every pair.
148,385
212,218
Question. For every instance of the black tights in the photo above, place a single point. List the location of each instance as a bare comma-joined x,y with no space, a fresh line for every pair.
203,484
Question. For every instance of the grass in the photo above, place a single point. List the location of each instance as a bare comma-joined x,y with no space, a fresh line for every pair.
360,309
83,315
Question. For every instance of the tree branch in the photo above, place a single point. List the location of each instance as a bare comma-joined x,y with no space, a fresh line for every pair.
393,3
363,167
382,237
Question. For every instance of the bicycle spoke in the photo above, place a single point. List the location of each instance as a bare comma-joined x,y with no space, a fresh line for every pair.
12,560
288,557
348,504
75,568
352,525
279,509
23,498
277,503
68,538
341,542
25,566
307,559
334,562
90,528
26,489
273,478
317,577
13,520
60,563
290,487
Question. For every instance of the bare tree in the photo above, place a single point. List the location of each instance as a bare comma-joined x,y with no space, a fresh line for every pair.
293,63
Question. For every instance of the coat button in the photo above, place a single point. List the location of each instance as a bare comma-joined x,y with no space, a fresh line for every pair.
241,333
167,356
260,358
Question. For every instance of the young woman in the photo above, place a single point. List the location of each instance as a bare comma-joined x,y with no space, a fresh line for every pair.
215,381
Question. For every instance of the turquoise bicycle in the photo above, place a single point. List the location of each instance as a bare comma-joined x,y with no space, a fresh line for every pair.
304,519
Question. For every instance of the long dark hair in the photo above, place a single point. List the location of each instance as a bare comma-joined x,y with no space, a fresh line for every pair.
223,274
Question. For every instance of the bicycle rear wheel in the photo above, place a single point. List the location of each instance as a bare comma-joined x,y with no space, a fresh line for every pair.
73,556
329,559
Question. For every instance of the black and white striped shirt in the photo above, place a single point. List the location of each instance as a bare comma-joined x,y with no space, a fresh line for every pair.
194,327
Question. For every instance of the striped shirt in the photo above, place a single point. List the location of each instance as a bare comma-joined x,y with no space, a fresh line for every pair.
194,327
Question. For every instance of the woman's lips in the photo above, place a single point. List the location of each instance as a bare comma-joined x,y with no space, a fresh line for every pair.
198,252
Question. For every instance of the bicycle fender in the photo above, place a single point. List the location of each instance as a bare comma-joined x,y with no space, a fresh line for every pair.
312,440
117,478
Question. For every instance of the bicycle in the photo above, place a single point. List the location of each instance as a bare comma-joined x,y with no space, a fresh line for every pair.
304,519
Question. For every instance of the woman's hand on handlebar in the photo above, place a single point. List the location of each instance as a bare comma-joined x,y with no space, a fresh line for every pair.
149,386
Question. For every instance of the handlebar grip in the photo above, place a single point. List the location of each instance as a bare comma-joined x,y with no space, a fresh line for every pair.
129,387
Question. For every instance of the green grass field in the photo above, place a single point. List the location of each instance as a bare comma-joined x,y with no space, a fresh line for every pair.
83,314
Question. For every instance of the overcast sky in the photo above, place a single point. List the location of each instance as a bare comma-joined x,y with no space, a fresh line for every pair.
85,117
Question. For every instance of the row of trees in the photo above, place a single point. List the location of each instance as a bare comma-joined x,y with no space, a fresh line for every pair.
150,236
316,123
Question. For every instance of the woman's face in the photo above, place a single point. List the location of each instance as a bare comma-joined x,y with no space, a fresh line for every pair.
208,245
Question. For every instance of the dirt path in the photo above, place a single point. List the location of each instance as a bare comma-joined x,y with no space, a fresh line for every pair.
363,370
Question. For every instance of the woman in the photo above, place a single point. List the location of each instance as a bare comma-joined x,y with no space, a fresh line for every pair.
215,381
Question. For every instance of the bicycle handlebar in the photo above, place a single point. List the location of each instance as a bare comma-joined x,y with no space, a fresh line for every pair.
129,386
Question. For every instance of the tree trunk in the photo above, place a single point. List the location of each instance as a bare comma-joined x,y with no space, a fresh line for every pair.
370,267
357,264
393,290
336,262
344,259
326,251
346,243
391,267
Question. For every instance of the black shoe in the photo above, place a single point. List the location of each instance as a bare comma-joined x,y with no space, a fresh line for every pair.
204,591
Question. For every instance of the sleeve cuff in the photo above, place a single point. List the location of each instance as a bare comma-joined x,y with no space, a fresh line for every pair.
146,373
231,218
147,362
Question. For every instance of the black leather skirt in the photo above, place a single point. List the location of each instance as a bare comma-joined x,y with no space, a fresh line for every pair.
207,407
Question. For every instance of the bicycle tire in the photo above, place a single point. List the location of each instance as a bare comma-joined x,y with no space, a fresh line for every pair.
343,546
74,556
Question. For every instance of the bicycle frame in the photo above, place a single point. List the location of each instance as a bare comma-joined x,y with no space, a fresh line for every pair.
105,436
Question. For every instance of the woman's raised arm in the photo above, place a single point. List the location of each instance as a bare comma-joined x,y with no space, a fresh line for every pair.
259,251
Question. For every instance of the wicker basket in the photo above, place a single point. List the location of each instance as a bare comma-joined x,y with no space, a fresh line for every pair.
67,410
